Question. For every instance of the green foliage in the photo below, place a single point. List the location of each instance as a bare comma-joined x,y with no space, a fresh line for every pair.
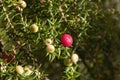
92,26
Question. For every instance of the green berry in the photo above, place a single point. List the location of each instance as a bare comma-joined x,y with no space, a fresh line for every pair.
68,62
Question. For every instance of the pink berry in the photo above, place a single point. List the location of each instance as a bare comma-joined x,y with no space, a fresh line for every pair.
42,1
66,40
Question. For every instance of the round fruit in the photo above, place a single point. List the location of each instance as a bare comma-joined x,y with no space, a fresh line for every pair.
68,62
50,48
48,41
19,69
42,1
27,71
22,3
74,58
34,28
66,40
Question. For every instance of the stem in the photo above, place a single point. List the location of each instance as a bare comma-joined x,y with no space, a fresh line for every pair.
6,15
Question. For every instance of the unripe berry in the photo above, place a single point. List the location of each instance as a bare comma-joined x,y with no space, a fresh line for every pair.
19,69
27,71
66,40
74,58
34,28
50,48
68,62
22,3
48,41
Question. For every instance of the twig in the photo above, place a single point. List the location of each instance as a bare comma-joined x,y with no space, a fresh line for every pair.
7,17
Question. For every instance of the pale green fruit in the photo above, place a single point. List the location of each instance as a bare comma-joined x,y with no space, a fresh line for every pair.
27,71
48,41
50,48
22,3
34,28
74,58
19,69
